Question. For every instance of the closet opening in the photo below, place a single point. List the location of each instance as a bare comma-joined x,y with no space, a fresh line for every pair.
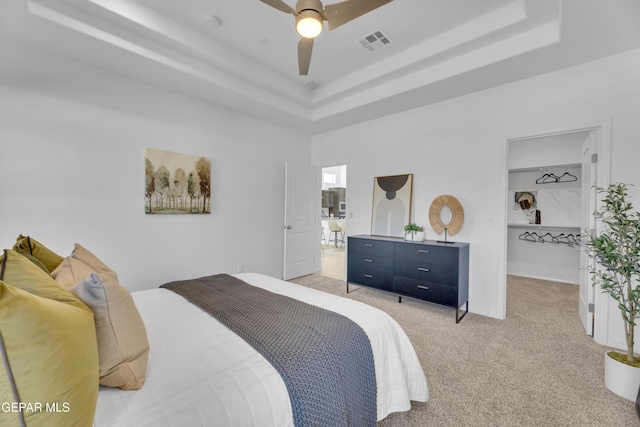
550,203
333,221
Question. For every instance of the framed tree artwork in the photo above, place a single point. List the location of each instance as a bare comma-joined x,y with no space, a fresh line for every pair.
176,183
391,211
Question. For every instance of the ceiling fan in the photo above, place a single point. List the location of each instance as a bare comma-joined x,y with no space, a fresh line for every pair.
310,16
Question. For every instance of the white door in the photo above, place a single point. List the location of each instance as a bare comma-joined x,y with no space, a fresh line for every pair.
589,180
300,230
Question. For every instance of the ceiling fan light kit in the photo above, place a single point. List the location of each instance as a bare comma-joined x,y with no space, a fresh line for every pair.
311,14
309,23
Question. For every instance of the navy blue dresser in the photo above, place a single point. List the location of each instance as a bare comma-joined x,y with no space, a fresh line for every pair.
428,271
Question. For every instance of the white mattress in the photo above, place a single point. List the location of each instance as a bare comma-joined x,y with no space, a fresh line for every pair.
201,373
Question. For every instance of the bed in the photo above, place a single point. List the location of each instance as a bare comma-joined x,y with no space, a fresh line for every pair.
197,368
201,371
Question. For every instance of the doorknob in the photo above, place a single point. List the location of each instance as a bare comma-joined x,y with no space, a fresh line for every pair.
288,227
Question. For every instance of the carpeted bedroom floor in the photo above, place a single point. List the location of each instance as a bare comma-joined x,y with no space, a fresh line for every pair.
536,368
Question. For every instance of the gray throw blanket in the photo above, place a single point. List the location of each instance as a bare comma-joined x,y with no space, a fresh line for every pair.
324,358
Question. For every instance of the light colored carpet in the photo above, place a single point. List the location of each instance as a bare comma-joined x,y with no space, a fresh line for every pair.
536,368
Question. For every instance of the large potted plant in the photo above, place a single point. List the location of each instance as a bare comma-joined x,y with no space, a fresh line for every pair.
616,250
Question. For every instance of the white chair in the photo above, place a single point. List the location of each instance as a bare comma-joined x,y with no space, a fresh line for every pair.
323,239
336,231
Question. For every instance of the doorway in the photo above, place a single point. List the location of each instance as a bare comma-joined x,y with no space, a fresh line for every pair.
333,221
550,200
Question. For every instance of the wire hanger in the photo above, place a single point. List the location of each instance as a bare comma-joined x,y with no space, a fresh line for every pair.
569,177
552,239
567,239
547,178
551,178
528,237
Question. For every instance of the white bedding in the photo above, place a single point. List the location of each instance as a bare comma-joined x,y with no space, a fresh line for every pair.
200,373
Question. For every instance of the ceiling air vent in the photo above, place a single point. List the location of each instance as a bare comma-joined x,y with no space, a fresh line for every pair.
375,40
312,85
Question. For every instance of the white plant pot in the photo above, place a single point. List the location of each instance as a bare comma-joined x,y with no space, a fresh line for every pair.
415,236
622,379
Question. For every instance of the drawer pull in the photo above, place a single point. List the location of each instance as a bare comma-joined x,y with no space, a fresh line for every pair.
426,270
423,251
368,276
370,245
368,260
426,288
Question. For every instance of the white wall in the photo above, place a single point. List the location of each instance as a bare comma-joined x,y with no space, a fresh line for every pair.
563,149
458,147
72,142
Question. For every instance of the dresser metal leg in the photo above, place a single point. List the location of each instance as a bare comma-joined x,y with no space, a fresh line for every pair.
352,290
458,319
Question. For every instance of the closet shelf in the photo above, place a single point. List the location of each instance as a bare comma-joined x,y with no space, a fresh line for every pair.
544,226
547,168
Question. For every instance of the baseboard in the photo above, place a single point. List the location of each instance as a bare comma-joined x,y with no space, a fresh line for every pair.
548,278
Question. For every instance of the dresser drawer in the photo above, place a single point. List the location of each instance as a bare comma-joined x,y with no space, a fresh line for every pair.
427,291
370,271
433,273
371,247
430,254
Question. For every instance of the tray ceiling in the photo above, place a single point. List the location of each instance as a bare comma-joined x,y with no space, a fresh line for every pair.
241,54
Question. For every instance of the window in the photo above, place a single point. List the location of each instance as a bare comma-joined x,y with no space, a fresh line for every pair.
329,178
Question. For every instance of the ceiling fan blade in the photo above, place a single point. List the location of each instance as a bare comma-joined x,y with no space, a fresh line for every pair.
340,13
280,5
305,47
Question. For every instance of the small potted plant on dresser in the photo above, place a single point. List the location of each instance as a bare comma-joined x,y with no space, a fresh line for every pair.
616,250
413,232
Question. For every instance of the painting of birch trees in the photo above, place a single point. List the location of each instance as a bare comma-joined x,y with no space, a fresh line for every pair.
176,183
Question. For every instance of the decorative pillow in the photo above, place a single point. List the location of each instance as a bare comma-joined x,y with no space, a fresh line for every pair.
31,246
83,255
123,348
16,270
70,272
50,341
36,261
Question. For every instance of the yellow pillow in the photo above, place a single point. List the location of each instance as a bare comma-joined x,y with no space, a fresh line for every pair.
18,271
31,246
52,352
36,261
123,348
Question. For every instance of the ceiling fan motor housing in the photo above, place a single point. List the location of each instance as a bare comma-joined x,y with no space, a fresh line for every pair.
309,5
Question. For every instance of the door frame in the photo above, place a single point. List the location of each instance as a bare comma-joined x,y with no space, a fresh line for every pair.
602,134
589,174
319,179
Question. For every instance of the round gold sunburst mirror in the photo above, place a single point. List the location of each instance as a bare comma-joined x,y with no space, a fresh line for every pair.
446,214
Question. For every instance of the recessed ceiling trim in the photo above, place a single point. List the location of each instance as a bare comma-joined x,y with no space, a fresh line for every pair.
207,75
487,24
215,53
539,37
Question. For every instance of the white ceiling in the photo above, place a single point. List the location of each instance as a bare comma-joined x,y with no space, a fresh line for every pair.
440,49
